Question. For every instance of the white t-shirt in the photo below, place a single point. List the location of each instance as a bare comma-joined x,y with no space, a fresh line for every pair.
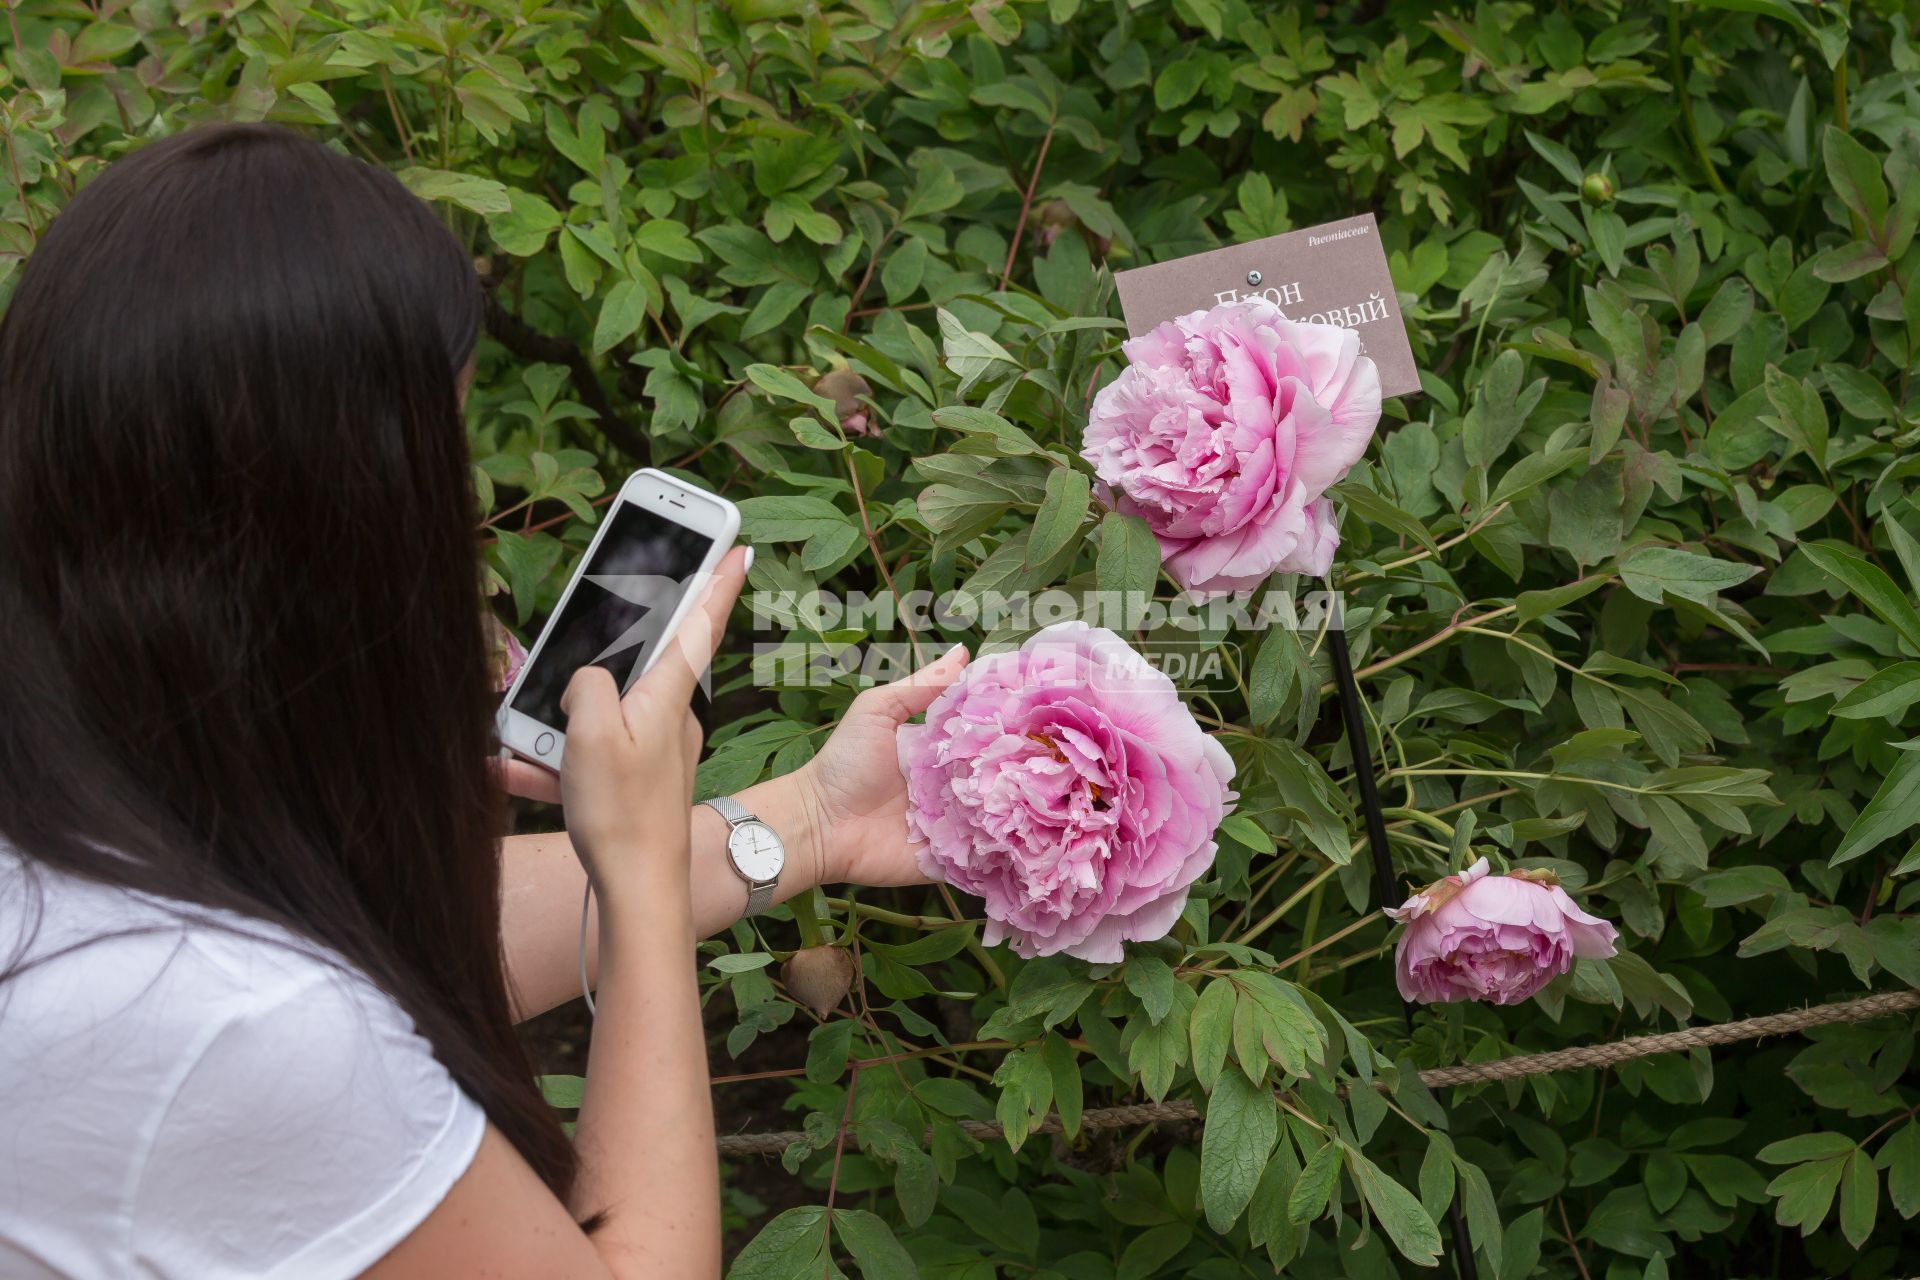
192,1102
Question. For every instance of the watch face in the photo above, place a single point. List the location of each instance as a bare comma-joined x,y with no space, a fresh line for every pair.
757,851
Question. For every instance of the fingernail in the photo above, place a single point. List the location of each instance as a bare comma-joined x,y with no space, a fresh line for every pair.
748,566
958,651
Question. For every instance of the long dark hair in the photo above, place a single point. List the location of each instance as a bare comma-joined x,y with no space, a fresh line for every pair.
242,663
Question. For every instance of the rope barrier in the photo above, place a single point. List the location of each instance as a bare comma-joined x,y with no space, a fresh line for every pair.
1579,1057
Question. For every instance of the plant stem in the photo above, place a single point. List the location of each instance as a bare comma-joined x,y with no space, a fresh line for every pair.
1678,71
1026,205
881,915
1300,957
1293,899
880,561
1408,654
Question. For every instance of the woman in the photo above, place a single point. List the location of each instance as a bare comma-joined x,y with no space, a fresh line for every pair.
260,945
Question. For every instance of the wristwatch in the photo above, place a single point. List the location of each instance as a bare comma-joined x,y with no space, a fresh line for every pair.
754,849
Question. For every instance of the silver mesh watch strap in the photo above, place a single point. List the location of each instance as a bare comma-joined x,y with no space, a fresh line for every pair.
759,892
729,808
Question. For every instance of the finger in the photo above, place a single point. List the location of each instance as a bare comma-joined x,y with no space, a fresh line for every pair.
913,694
592,705
526,780
697,636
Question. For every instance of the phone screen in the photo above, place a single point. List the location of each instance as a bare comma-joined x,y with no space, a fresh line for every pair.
627,592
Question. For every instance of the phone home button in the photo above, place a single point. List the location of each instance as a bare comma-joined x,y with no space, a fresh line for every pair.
543,744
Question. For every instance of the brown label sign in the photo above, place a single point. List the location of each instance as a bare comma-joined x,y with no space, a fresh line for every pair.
1335,273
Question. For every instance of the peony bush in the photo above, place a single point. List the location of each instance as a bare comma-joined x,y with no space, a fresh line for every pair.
1630,587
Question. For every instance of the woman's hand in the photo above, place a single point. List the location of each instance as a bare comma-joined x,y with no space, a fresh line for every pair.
627,779
854,787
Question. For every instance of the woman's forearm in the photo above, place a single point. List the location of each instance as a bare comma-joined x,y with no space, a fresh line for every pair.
645,1137
542,882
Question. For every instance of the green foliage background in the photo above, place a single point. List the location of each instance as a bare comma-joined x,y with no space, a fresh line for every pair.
1631,586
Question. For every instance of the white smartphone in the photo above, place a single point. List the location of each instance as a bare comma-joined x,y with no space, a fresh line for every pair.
654,549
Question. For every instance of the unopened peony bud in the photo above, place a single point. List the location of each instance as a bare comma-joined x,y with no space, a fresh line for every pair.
1052,218
1597,190
1055,216
819,977
508,654
1476,936
845,388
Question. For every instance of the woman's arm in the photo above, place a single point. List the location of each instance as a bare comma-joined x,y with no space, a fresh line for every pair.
648,1169
842,817
542,882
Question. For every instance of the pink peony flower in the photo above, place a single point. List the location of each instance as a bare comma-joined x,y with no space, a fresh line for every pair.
1495,938
1067,785
1224,432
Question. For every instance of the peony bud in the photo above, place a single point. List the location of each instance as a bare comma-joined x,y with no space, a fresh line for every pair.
819,977
845,388
1476,936
1055,216
1597,190
507,654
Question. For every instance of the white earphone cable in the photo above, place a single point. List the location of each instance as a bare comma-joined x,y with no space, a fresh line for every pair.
586,904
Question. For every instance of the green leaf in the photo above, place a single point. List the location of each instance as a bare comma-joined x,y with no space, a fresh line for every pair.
791,1247
1869,584
1149,978
1805,1193
620,315
906,267
1807,1146
777,382
1069,493
972,356
1212,1030
667,238
1533,470
1483,1213
1859,1199
1653,571
1314,1187
524,228
988,431
1900,1157
478,195
565,1092
1798,414
1401,1216
1129,559
1063,1068
1734,885
1150,1250
1888,692
1895,808
873,1246
1242,1124
1666,1180
1855,175
1026,1092
828,1047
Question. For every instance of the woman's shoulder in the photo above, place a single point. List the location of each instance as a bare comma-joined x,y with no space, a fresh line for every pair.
87,955
171,1071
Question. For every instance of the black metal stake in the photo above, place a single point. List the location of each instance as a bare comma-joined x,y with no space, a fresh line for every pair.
1388,886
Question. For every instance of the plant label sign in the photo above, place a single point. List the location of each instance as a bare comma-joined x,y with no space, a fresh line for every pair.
1335,273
